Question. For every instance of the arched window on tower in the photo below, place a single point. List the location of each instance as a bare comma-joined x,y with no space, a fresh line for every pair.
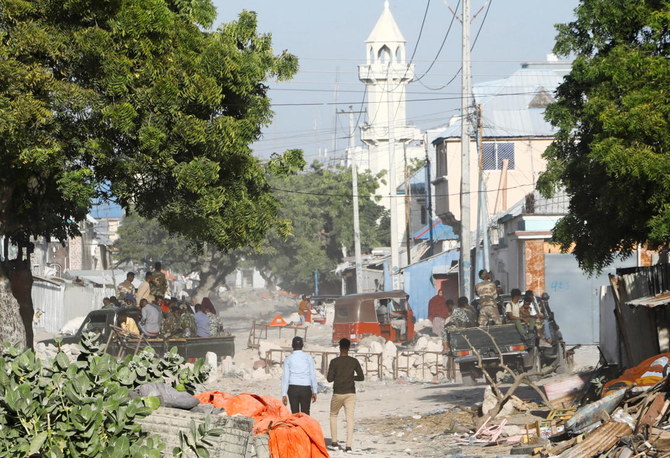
371,55
384,55
398,54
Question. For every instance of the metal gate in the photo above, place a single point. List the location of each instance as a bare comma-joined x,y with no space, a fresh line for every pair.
575,297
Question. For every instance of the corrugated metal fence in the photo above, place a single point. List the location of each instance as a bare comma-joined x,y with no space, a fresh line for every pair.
61,302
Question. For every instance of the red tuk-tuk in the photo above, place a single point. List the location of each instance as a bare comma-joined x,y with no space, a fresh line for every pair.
385,313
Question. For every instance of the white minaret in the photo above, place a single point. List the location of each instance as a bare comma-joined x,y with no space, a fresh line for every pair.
386,75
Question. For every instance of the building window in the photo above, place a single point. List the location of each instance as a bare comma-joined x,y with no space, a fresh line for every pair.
441,161
424,215
494,154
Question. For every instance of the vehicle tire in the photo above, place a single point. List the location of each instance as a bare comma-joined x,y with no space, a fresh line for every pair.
493,372
468,374
468,379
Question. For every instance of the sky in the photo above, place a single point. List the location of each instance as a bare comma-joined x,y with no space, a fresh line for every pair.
329,40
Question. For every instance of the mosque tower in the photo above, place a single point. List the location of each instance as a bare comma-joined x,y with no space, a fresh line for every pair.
386,133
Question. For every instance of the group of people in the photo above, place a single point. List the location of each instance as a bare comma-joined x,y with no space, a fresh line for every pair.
299,387
521,310
162,316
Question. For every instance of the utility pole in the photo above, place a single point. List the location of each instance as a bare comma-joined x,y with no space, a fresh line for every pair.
395,248
465,261
408,195
429,195
354,187
483,204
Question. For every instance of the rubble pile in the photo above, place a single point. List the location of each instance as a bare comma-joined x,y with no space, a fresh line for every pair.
424,362
44,352
628,422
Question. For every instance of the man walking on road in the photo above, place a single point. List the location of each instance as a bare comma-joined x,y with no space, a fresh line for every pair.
343,371
298,382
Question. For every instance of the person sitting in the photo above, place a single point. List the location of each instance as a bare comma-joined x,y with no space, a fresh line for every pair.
535,319
186,320
398,318
214,321
171,326
382,312
128,325
463,316
201,322
152,317
512,311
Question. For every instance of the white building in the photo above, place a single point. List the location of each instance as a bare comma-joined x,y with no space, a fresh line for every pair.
514,137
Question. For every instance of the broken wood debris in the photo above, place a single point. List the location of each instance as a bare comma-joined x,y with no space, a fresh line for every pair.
626,423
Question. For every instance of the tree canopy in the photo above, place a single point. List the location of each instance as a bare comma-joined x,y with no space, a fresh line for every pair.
319,205
136,102
612,149
144,241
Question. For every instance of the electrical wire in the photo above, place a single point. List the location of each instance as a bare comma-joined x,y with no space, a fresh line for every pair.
439,51
322,194
472,47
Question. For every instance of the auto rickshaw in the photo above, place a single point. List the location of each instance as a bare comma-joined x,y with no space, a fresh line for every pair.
385,313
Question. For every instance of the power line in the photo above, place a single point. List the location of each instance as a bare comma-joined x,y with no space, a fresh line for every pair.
323,194
474,42
444,40
429,99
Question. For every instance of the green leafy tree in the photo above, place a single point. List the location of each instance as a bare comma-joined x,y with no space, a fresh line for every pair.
136,102
144,241
612,149
319,205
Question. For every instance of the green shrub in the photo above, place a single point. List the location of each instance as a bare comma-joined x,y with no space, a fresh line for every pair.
60,407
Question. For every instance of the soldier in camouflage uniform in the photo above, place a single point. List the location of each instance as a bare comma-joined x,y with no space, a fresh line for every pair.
186,321
488,295
463,316
126,288
171,326
158,282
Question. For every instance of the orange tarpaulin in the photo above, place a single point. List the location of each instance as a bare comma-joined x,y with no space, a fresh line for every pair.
648,372
291,435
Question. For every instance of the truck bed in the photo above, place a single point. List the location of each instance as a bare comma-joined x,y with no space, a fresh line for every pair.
505,335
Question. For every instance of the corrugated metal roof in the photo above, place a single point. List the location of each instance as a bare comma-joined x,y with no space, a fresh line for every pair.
514,106
559,204
651,301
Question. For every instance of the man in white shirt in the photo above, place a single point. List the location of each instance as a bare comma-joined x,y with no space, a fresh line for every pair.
298,382
520,311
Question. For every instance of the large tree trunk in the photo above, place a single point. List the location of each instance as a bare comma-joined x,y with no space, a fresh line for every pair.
21,280
12,327
213,272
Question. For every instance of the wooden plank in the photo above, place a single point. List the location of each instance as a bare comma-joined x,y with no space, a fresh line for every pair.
601,440
655,410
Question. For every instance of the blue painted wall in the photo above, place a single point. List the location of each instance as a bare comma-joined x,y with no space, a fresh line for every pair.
419,284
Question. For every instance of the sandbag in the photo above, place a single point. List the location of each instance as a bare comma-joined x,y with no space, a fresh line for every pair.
169,396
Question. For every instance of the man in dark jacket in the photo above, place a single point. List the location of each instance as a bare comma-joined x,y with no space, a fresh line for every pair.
343,371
